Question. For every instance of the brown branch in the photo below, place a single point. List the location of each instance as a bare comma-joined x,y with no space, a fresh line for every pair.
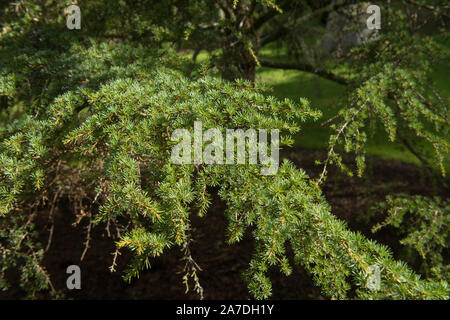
88,240
340,131
277,34
284,29
411,149
225,6
51,218
429,7
112,268
303,67
263,19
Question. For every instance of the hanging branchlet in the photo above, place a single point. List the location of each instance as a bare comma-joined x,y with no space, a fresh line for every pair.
425,223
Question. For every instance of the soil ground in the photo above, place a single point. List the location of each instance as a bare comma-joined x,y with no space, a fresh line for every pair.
222,264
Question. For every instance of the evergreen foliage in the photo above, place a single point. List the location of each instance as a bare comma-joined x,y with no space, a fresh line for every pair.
91,120
424,223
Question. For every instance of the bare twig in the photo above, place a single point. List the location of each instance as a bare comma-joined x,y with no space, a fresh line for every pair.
51,218
88,239
303,67
341,130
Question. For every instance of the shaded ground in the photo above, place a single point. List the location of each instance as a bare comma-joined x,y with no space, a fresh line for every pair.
222,264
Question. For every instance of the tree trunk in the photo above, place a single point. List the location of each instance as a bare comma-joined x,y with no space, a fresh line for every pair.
238,62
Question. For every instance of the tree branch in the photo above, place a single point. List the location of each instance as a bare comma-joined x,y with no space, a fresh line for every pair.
229,13
429,7
263,19
411,149
260,21
277,34
304,67
283,29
